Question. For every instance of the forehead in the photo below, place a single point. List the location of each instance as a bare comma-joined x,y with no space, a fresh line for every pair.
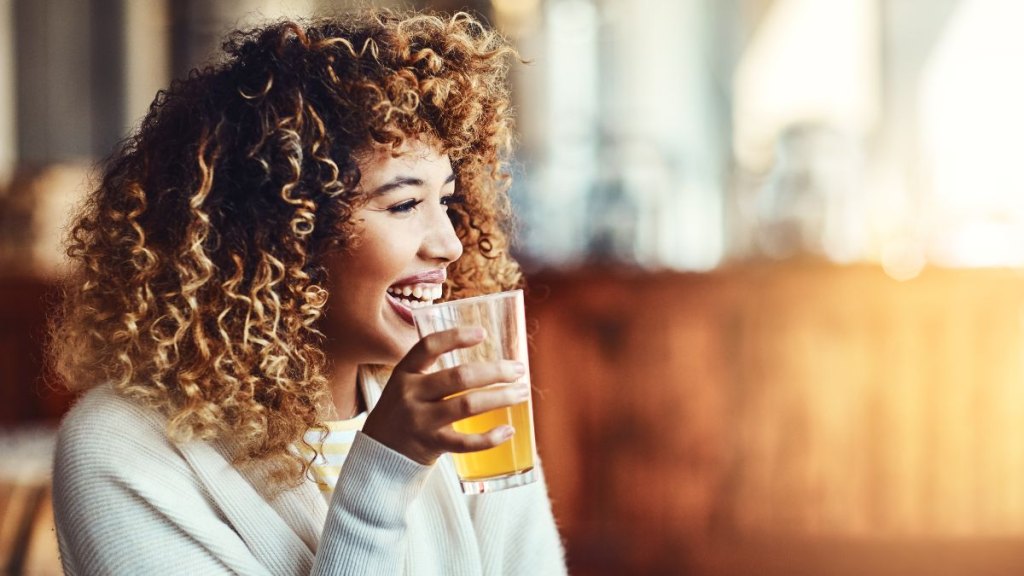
414,155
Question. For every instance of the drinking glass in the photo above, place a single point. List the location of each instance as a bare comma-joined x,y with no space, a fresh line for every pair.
503,317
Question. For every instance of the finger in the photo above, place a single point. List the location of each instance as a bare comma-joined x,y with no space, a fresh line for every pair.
481,400
444,383
432,346
456,442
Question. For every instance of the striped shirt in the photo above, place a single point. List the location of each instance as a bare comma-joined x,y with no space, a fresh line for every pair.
327,464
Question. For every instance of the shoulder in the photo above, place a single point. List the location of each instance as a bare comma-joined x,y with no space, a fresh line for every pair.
106,434
101,418
119,481
113,455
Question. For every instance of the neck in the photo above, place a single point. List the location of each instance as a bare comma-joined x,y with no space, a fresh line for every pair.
345,390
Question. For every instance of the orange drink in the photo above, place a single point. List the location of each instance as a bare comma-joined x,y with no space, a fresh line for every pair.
512,457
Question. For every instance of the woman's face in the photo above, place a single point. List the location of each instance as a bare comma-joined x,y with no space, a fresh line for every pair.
402,244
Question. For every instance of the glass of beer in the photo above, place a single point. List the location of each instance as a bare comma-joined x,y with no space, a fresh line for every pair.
503,317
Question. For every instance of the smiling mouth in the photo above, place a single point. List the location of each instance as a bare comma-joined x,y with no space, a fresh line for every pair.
415,295
403,299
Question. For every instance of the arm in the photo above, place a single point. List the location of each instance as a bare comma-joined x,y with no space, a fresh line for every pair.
517,531
405,433
126,501
366,521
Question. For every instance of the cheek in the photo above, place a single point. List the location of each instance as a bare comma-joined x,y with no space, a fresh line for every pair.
384,251
389,256
379,267
367,265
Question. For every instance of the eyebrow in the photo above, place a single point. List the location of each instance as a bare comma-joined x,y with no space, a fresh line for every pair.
400,181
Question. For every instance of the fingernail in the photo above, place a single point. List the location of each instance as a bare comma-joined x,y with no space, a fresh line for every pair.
506,432
523,390
477,333
518,367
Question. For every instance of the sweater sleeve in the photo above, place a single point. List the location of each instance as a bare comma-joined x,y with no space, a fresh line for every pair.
365,531
516,529
140,514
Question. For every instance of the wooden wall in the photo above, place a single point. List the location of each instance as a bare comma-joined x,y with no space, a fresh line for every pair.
693,423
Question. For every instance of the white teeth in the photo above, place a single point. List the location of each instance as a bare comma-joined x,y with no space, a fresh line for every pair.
416,296
413,303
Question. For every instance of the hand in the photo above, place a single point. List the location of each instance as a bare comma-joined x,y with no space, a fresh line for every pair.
415,412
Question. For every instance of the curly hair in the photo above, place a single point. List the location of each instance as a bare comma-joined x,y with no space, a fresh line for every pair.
199,277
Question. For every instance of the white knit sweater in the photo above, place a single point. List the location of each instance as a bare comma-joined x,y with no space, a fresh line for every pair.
128,501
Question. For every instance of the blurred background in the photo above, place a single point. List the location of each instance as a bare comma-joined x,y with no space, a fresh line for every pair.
774,251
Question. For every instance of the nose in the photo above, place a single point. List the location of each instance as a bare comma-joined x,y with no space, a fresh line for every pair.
440,243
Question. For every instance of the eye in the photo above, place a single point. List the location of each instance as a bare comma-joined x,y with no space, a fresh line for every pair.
404,207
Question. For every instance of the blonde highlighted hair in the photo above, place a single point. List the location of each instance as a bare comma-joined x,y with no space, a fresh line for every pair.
199,276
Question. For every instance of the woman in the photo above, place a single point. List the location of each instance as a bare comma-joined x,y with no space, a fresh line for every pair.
245,271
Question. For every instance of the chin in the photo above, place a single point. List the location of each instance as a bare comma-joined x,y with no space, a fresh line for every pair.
404,345
395,349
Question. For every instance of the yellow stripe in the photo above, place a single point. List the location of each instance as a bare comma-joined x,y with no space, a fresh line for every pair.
335,448
322,471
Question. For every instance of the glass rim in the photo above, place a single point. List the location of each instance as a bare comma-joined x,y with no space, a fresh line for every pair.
471,300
